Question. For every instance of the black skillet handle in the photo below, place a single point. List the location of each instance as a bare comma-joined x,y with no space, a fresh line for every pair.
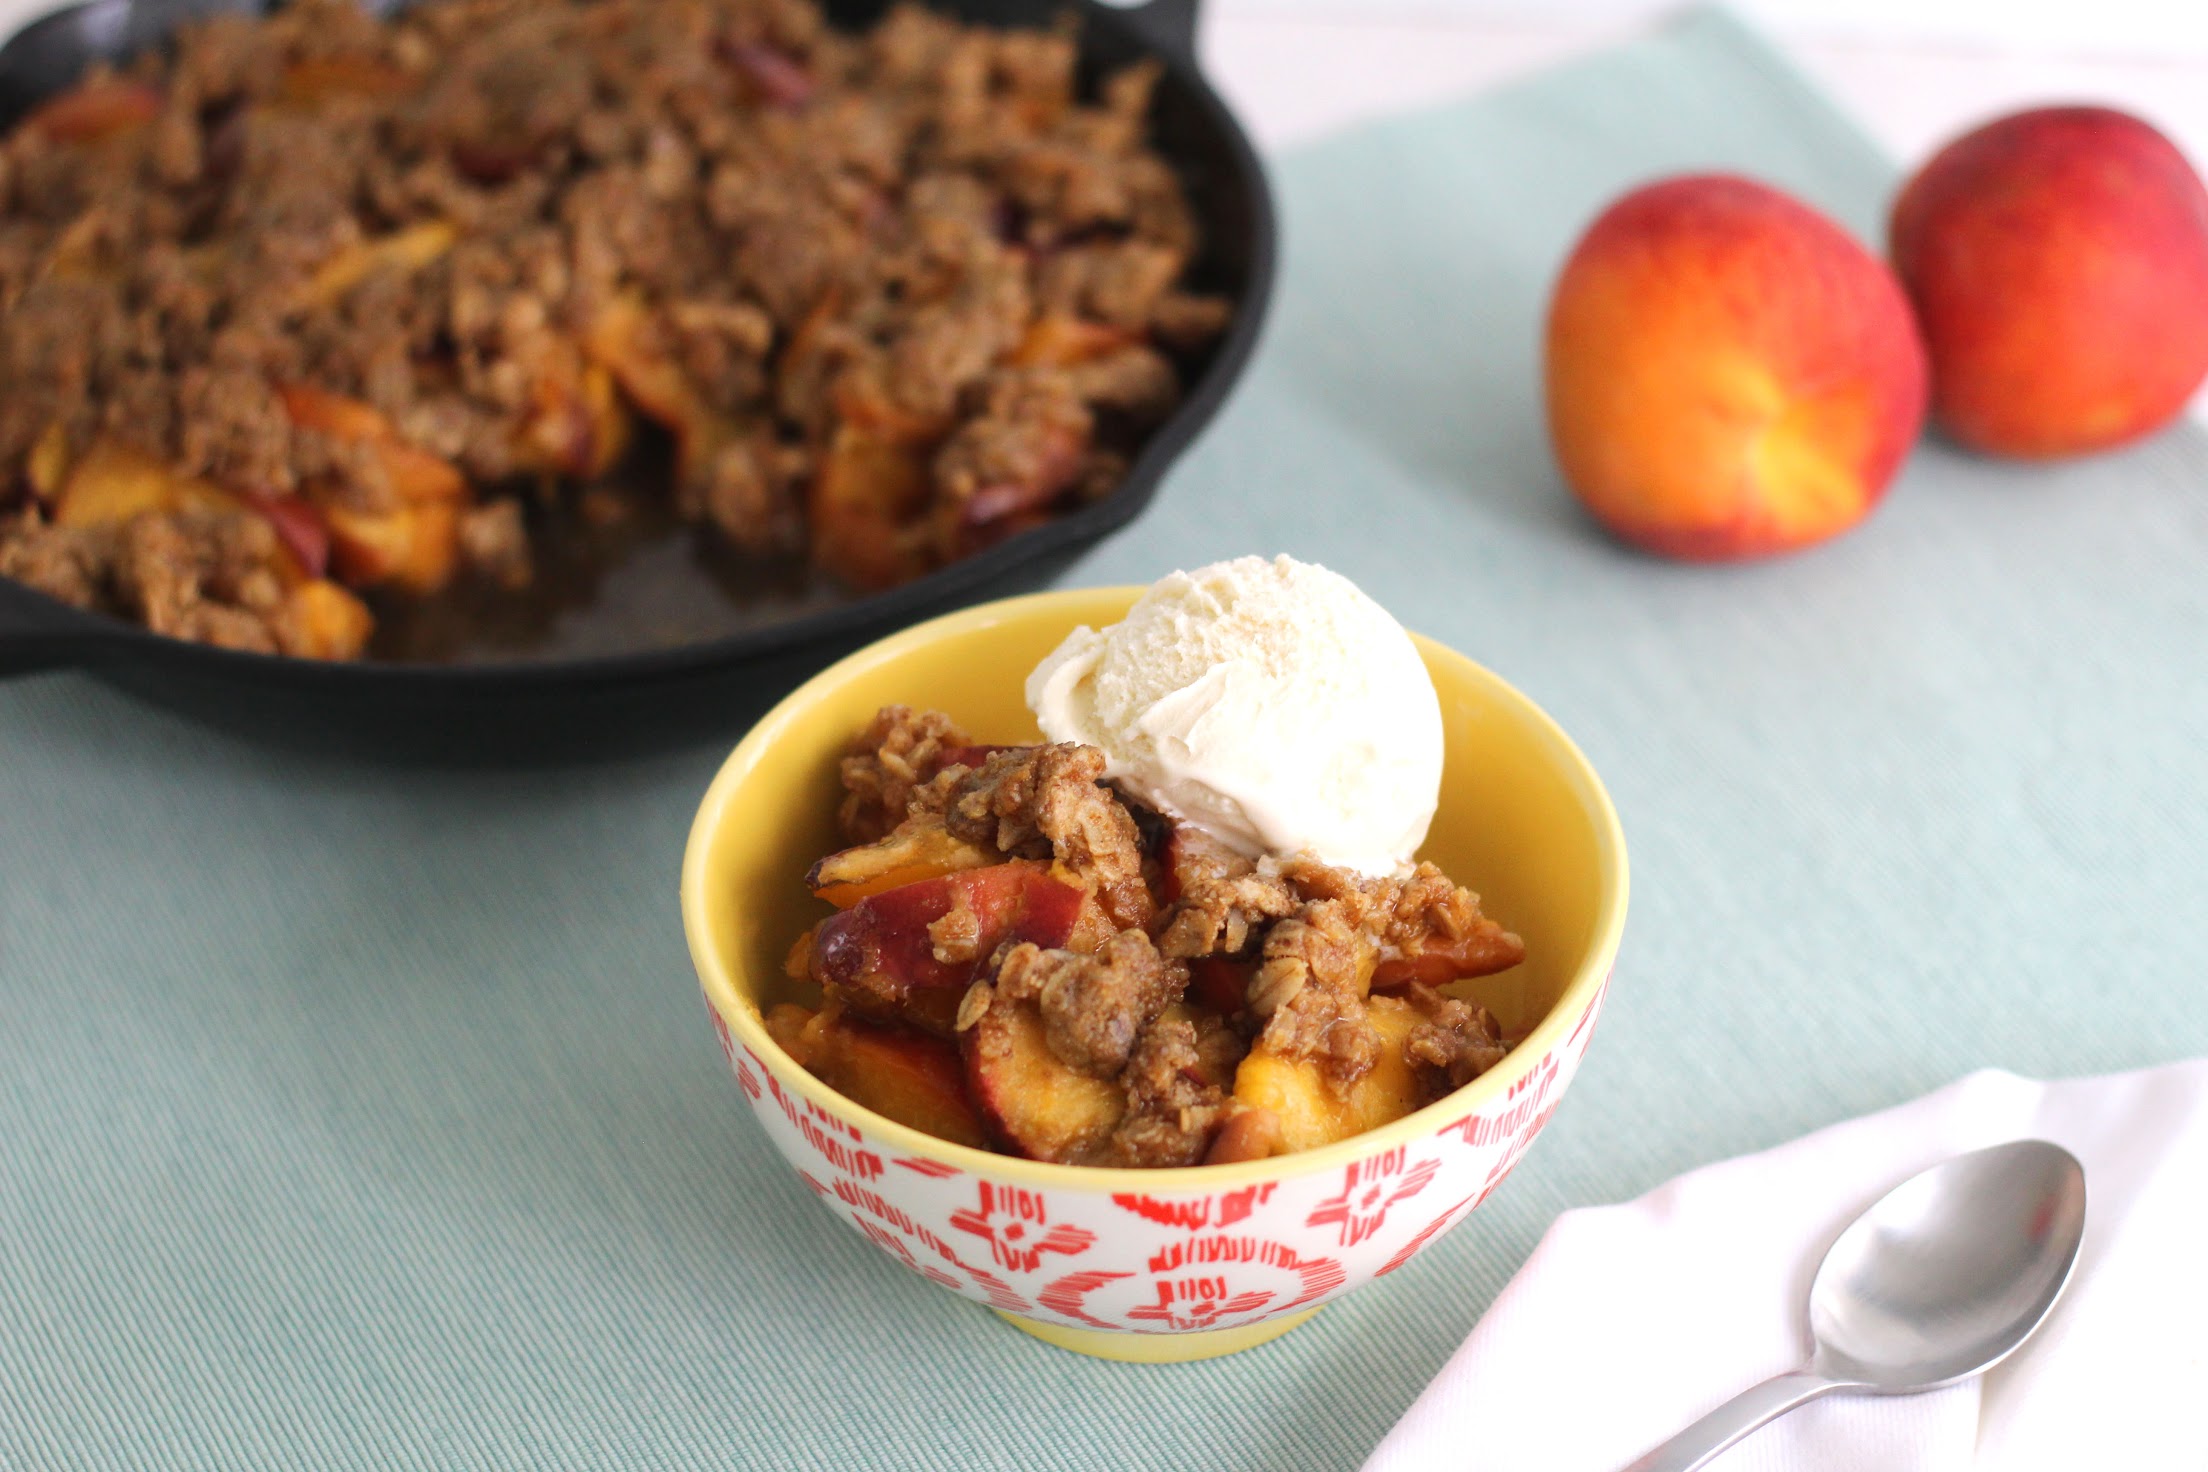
1169,25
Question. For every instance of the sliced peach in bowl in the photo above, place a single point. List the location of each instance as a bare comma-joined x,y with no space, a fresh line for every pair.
1163,1264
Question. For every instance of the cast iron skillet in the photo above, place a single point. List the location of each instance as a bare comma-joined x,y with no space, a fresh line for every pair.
648,682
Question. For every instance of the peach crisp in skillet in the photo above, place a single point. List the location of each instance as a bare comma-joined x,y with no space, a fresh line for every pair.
320,327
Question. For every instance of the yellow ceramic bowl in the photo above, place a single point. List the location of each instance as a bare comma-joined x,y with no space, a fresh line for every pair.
1153,1265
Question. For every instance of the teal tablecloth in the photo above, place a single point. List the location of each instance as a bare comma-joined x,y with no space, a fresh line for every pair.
357,1120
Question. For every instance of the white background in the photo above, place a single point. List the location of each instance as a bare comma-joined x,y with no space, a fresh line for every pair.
1913,74
2149,26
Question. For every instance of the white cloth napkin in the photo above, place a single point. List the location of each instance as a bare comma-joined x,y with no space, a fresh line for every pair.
1630,1321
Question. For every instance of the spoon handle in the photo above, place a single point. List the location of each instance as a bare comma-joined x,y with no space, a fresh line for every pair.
1731,1421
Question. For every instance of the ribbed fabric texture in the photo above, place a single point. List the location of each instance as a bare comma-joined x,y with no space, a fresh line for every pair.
353,1119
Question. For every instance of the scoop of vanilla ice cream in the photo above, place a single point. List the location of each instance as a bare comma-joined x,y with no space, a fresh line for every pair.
1272,704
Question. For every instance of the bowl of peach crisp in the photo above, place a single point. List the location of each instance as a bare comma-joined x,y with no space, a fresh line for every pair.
1152,966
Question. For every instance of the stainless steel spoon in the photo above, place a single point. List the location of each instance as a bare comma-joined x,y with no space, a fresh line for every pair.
1938,1282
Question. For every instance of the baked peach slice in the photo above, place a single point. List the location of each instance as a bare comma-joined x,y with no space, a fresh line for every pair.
111,483
1179,858
578,424
402,252
415,474
865,491
863,403
318,79
416,544
1248,1134
299,526
1035,1104
786,1022
93,110
621,341
918,849
1062,340
1004,508
1488,948
416,548
972,755
46,467
902,954
914,1079
778,77
321,620
863,505
1311,1110
931,1009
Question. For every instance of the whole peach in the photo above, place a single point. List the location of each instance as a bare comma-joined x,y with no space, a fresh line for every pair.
2058,260
1729,373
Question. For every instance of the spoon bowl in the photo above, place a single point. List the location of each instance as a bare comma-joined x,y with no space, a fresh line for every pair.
1941,1280
1951,1270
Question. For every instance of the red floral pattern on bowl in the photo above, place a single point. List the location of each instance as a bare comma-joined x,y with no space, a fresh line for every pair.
1164,1262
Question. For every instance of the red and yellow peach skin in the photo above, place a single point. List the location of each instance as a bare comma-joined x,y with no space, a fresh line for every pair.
1729,374
2058,259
